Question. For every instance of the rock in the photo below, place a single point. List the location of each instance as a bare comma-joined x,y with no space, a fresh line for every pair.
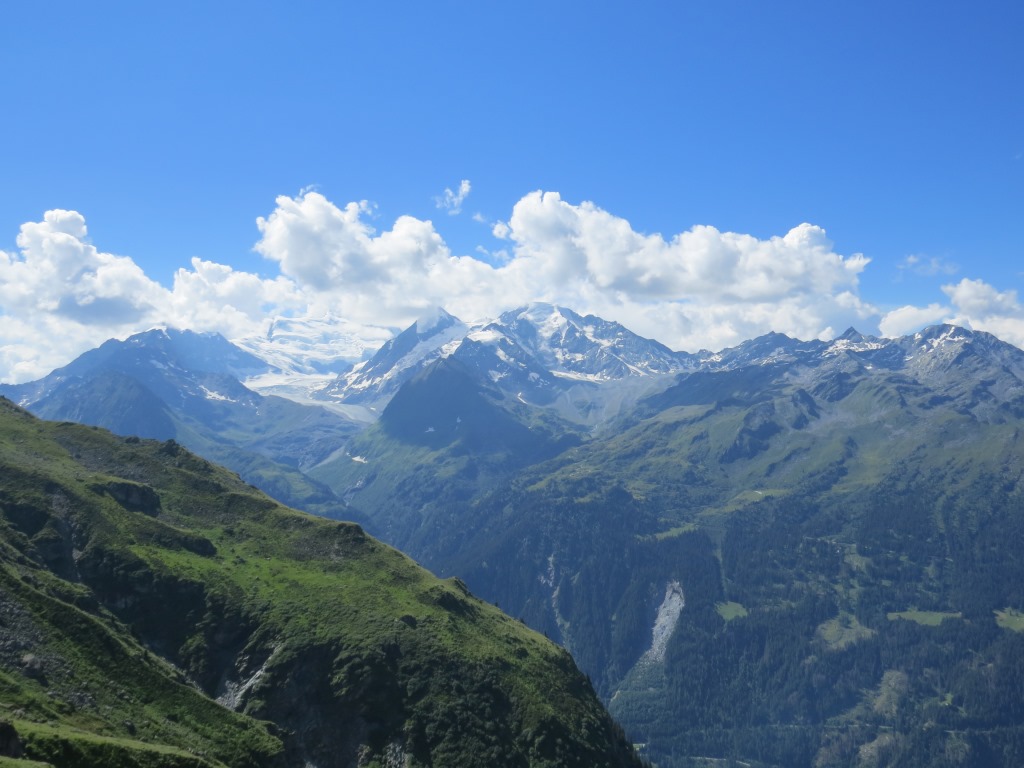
10,744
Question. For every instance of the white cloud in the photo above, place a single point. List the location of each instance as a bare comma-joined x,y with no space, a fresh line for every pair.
908,319
982,307
973,304
978,299
701,288
60,296
60,272
452,201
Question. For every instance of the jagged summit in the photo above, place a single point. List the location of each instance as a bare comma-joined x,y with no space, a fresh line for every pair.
850,334
535,353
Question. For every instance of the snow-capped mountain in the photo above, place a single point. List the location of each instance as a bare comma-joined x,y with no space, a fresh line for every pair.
590,370
309,345
306,354
536,353
588,348
181,385
174,364
436,334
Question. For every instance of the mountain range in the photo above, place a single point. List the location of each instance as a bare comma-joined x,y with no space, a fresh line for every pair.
786,553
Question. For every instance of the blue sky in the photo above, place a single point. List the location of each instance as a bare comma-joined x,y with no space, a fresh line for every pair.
898,129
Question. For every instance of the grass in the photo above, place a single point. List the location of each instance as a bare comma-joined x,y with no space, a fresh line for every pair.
675,531
71,746
13,762
412,656
730,610
842,631
1010,618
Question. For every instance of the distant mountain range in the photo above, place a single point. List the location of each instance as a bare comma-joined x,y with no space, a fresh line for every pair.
785,553
169,384
540,354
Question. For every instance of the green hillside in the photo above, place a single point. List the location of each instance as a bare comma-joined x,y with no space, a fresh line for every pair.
142,585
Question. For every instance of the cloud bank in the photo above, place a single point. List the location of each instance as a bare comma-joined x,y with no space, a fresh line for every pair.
702,288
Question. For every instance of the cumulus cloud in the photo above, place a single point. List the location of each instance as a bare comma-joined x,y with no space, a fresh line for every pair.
982,307
452,201
973,304
60,295
978,299
60,272
908,319
699,288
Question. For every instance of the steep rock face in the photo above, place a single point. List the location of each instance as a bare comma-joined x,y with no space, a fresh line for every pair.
354,653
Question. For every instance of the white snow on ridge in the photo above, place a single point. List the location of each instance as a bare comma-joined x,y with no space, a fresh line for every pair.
485,336
846,345
209,394
576,376
439,345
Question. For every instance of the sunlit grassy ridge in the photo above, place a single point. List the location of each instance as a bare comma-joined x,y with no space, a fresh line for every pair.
141,582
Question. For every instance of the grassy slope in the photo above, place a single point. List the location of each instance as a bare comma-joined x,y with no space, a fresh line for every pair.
348,646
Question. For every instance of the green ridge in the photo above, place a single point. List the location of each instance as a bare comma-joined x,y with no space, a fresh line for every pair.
138,583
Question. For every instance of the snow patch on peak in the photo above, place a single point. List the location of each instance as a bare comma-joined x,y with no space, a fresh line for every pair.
949,333
209,394
863,344
485,336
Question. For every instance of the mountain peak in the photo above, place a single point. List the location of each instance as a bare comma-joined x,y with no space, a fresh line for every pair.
434,319
850,334
936,334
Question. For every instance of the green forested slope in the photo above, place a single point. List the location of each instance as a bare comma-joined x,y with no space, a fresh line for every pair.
140,583
846,532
